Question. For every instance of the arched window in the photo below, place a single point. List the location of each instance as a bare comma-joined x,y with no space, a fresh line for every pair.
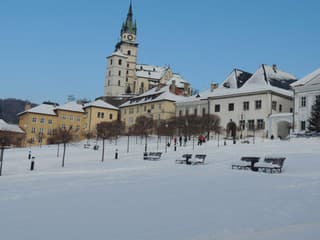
119,83
110,116
109,73
119,73
120,61
110,61
129,52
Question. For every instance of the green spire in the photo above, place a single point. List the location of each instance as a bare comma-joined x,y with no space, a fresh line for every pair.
129,26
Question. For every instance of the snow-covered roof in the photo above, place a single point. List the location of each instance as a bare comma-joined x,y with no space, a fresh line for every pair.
9,127
101,104
154,95
310,79
46,109
118,53
266,78
236,79
179,81
71,106
149,71
267,75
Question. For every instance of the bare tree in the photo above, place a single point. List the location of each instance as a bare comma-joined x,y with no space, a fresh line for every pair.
144,126
8,139
108,130
89,135
62,136
210,123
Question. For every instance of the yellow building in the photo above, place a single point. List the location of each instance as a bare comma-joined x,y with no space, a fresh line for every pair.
97,112
158,103
39,122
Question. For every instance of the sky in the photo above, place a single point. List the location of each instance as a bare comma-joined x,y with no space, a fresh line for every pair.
50,49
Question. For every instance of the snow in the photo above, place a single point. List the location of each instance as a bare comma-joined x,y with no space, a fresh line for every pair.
71,106
312,78
9,127
101,104
179,81
46,109
150,71
153,95
118,53
130,198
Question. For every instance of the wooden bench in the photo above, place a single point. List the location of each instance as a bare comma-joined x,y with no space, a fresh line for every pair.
198,159
271,164
186,159
152,156
244,163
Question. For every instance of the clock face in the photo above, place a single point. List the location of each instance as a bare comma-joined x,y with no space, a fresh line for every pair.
130,37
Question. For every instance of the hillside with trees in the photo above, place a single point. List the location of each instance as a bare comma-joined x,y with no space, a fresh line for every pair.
10,107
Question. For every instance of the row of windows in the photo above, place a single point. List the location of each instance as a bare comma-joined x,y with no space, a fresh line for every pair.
245,106
71,118
42,120
195,112
252,125
41,130
145,109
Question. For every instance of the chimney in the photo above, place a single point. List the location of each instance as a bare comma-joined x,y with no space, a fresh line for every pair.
27,106
214,86
173,87
274,67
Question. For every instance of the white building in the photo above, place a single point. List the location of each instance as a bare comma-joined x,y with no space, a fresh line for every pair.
254,103
306,90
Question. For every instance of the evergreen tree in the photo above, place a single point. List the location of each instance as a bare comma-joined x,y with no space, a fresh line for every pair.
314,120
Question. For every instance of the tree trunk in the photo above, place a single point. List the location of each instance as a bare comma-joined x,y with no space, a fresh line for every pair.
128,144
58,150
146,144
64,153
102,150
1,159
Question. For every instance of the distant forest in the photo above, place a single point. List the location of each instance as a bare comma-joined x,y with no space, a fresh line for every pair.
10,107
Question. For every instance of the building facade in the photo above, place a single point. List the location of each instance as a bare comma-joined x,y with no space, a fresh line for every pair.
157,103
306,90
40,122
247,101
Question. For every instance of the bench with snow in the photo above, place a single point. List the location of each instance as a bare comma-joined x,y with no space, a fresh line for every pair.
198,159
271,164
246,163
152,156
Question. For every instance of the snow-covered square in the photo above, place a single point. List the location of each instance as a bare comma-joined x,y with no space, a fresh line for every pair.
130,198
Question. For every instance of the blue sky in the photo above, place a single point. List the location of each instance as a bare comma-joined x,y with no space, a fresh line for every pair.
50,49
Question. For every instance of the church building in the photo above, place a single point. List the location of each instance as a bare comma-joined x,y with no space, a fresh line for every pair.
126,78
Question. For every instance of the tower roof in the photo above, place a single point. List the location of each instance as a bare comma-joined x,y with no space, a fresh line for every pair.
129,26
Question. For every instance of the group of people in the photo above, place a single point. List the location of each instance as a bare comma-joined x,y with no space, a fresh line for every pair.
201,139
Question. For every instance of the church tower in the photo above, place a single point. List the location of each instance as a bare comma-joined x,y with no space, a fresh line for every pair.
121,65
